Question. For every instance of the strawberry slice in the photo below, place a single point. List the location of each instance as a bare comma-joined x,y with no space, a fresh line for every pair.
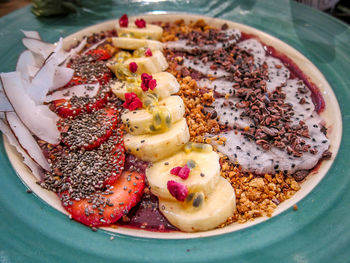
99,103
111,117
77,80
105,78
65,109
85,127
99,54
119,153
125,194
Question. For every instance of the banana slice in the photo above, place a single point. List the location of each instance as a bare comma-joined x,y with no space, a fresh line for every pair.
141,121
119,88
166,86
133,43
203,177
214,210
155,63
154,147
150,31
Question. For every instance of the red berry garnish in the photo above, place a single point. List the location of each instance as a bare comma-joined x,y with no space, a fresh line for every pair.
124,21
182,172
152,84
148,82
175,170
148,52
133,67
132,102
177,190
140,23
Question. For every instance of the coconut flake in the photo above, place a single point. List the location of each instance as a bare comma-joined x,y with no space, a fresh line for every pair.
39,119
42,50
31,34
28,65
61,77
84,90
42,81
33,166
26,140
50,75
49,78
5,105
38,46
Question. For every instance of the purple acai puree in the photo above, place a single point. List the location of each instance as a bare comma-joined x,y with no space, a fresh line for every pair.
146,214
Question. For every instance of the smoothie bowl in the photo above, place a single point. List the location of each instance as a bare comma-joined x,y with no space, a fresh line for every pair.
169,126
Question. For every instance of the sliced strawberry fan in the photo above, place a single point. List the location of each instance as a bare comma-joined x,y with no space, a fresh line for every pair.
119,153
65,109
109,118
126,192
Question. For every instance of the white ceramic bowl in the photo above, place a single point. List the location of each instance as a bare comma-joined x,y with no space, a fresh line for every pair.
331,115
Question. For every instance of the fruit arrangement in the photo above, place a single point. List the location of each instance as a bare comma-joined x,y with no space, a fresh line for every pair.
158,133
108,124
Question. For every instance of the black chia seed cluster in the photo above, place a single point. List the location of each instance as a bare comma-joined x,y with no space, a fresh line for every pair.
86,128
80,174
89,68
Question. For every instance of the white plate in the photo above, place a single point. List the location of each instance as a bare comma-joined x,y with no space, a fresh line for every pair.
331,115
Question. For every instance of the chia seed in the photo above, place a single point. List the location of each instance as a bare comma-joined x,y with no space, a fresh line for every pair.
82,173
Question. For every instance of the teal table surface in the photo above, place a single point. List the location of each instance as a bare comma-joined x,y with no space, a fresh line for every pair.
32,231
